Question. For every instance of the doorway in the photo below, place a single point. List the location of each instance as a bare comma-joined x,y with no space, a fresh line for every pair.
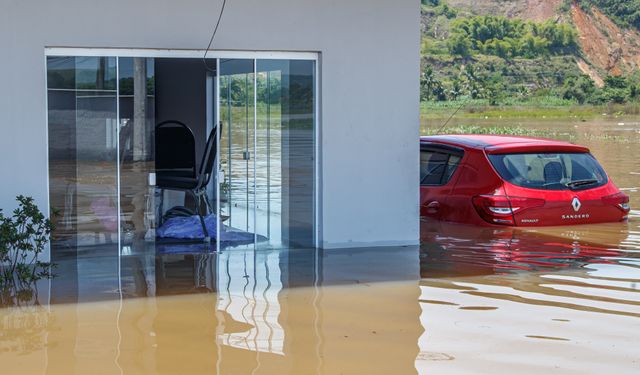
102,114
267,150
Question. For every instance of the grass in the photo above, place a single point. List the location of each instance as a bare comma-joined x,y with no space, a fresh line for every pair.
525,132
535,108
497,130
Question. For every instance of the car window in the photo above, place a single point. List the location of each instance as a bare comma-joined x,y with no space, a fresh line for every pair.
437,168
547,171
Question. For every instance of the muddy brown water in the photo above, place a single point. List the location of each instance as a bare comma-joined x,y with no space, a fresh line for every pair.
469,300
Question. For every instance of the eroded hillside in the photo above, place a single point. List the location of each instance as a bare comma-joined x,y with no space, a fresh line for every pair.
607,48
556,52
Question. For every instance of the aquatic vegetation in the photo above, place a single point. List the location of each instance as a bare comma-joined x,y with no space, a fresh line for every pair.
498,130
23,238
540,108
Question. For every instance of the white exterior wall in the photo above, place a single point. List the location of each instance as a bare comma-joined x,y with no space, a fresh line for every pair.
369,91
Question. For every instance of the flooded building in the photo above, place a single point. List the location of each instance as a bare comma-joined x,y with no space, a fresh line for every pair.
297,127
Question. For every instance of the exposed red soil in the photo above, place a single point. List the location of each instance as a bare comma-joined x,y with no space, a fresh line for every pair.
606,45
588,70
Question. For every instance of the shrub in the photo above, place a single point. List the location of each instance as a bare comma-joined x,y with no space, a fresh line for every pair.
625,12
23,237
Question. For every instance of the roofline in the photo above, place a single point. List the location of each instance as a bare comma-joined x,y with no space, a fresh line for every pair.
528,144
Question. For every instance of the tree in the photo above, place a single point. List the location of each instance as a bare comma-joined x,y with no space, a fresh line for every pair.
460,44
439,93
456,89
615,82
503,37
431,87
580,89
472,83
427,83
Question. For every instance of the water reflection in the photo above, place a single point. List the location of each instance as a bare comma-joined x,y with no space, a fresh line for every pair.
462,250
233,312
249,297
468,300
549,298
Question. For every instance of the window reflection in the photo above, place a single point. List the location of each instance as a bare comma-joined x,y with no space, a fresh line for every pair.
248,293
102,119
83,150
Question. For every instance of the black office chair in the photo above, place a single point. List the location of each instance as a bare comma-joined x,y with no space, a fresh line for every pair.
175,171
175,150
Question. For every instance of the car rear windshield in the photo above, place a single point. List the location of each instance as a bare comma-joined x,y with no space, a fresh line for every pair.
547,171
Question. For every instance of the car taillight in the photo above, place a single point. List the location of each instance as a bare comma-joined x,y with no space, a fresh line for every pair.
620,200
499,209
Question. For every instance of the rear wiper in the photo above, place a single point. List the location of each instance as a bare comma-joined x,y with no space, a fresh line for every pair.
575,184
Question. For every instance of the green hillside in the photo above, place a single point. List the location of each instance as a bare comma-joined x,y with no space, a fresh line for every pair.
624,12
497,60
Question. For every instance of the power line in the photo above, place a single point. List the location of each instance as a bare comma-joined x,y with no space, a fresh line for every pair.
213,35
452,115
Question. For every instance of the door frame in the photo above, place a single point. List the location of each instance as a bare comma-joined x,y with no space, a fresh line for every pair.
50,51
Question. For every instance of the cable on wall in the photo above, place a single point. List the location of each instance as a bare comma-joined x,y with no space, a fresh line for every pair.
213,35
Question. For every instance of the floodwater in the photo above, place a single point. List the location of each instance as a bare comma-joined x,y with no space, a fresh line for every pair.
469,300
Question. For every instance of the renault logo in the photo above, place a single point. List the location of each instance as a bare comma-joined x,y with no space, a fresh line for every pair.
575,203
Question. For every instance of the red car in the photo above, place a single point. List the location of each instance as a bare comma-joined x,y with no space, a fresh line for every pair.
515,181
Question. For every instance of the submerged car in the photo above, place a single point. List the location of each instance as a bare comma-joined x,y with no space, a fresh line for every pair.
515,181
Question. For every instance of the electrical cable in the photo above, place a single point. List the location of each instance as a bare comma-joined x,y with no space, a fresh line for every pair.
213,35
450,117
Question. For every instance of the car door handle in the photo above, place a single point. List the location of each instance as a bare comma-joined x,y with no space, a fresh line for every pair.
433,207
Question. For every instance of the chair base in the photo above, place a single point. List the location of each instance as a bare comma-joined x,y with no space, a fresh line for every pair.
198,196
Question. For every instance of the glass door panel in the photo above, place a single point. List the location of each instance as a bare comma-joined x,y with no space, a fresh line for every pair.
267,150
269,153
285,157
136,152
100,124
237,144
83,151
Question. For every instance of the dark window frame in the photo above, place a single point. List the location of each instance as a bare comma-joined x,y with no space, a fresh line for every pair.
449,151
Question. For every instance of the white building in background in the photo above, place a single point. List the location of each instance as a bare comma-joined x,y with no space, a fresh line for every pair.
315,102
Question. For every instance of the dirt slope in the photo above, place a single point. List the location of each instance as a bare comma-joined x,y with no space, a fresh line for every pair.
592,73
536,10
542,10
605,45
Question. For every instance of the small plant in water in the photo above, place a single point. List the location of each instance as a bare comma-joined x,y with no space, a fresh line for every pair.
23,237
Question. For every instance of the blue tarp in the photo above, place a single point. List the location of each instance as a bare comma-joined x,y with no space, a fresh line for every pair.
189,227
185,248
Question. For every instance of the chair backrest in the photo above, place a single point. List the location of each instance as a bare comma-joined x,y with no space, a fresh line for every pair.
175,149
209,157
553,172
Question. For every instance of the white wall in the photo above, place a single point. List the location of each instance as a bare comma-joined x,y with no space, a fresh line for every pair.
369,90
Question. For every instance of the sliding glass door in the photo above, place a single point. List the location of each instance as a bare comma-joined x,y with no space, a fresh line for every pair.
136,158
237,162
113,188
267,151
100,125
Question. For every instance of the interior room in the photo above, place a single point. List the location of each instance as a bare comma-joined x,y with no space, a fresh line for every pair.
181,154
